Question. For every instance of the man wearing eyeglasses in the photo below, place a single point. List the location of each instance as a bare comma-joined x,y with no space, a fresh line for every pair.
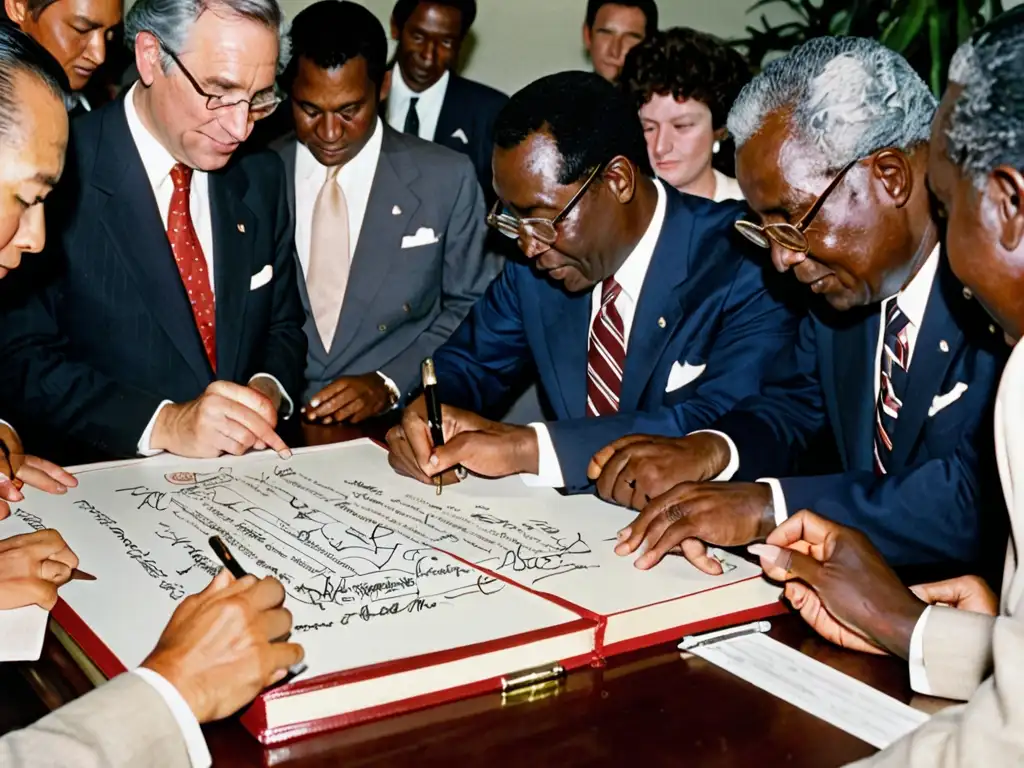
897,362
174,323
640,309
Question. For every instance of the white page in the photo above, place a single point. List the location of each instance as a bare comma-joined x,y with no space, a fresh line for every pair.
21,633
360,592
817,688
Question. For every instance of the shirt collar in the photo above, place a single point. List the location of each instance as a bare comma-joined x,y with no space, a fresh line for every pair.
401,91
633,271
156,160
362,165
913,299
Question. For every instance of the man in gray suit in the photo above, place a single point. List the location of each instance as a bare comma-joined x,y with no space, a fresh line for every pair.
961,641
389,229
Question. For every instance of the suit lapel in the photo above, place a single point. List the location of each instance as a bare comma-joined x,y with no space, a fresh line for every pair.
928,366
660,300
566,319
234,234
132,221
853,350
448,119
380,238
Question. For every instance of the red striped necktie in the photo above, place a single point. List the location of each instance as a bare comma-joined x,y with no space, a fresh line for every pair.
606,355
892,381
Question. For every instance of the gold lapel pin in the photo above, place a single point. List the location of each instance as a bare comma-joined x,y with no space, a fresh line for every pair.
241,227
661,322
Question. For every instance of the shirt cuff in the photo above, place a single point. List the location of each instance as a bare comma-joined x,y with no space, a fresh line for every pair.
393,390
778,499
549,471
918,673
195,743
734,456
147,436
287,406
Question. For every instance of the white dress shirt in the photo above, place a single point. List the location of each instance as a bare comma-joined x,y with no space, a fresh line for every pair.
157,163
428,108
631,276
726,188
356,180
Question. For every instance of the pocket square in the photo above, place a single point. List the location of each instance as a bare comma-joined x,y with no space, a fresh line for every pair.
684,374
461,136
262,277
942,401
423,236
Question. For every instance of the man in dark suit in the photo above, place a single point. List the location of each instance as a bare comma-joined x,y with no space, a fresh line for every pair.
427,98
173,322
641,309
901,366
386,282
613,28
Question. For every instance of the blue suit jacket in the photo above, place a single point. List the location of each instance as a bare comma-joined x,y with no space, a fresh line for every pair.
933,504
703,303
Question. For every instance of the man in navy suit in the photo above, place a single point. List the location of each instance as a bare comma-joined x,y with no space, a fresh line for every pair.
900,365
427,98
641,310
173,321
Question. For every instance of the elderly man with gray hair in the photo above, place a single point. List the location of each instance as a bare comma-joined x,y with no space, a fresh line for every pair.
894,362
172,321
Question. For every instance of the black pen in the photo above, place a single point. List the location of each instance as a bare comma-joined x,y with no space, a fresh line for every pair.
224,555
433,404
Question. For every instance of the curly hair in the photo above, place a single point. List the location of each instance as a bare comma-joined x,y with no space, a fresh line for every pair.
688,65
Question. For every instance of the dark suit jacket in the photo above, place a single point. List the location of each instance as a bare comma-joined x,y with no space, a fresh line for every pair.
110,334
470,109
703,307
932,505
404,302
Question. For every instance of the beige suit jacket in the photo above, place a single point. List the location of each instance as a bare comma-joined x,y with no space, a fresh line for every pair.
122,724
967,655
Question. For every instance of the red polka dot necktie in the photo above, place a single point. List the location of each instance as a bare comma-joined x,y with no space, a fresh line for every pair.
188,255
606,355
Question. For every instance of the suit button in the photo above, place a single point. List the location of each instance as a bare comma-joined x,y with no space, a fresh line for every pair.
406,308
382,327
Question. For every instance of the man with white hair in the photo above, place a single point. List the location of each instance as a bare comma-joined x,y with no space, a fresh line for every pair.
897,362
172,320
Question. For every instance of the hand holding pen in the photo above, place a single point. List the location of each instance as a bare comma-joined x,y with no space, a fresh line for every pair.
434,417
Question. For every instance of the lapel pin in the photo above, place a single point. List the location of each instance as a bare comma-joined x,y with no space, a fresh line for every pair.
968,294
944,346
992,329
396,211
241,227
661,322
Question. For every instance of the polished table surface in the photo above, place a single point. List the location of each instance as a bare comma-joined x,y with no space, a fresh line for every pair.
650,708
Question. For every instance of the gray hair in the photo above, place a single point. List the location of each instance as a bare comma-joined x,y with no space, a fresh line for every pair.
986,124
172,20
849,97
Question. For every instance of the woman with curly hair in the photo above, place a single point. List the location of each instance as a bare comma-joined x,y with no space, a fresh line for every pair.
683,83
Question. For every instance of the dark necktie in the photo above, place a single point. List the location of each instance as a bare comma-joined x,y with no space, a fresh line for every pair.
412,119
188,254
607,354
892,381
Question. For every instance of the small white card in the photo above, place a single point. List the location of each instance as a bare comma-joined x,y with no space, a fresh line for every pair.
835,697
21,633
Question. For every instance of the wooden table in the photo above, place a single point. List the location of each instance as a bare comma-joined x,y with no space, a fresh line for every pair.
649,708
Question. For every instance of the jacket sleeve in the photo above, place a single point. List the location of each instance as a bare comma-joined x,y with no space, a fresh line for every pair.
469,267
122,724
755,328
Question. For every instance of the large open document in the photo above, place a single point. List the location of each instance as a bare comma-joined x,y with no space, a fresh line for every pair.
401,598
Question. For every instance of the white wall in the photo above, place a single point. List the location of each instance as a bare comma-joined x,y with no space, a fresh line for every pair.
516,41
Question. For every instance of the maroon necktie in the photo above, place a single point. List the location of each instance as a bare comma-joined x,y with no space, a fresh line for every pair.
188,254
606,355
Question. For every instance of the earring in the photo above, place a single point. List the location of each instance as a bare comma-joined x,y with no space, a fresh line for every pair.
715,147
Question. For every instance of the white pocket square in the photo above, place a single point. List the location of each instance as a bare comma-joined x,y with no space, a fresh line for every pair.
262,277
461,136
423,236
942,401
681,375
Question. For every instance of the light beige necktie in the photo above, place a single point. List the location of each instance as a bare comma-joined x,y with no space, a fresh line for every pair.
329,262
